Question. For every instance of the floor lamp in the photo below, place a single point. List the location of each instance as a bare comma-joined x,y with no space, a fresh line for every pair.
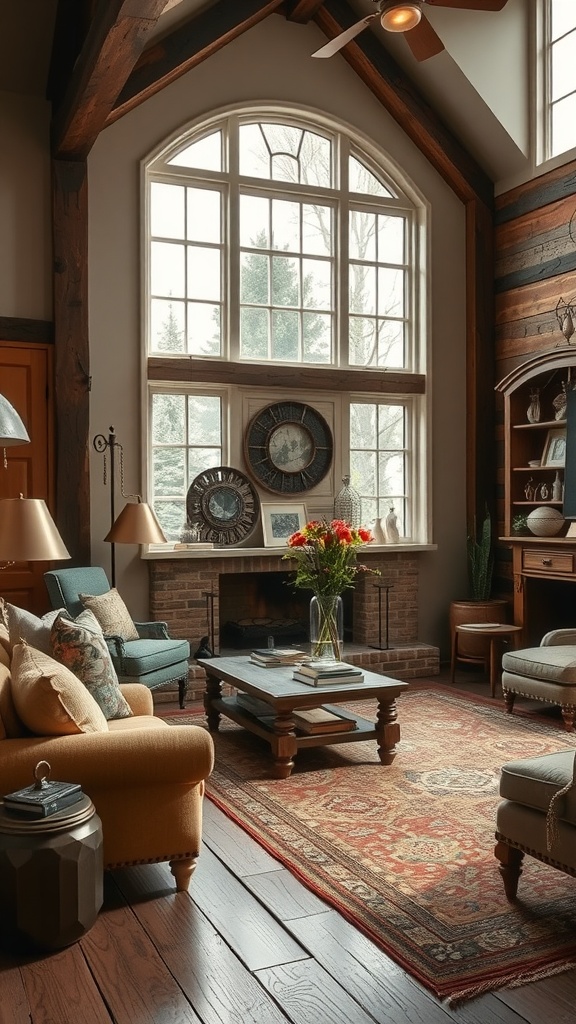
137,523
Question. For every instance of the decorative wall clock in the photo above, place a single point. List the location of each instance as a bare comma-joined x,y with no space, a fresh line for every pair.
288,447
223,505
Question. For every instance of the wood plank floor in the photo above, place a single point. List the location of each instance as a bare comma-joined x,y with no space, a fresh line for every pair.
247,945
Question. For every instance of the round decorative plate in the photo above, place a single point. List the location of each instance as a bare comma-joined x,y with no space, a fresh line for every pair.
288,447
223,506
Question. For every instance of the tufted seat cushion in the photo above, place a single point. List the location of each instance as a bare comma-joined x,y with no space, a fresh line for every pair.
143,656
549,664
533,781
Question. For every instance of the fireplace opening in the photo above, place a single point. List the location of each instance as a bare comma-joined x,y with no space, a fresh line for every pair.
255,606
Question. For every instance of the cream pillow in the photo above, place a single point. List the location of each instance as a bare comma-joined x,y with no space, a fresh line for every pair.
112,614
51,700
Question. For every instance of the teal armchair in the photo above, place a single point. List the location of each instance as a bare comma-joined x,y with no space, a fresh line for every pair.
154,659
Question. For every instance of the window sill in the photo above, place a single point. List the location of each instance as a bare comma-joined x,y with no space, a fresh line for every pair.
168,552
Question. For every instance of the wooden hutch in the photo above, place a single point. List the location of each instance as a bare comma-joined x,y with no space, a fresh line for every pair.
544,568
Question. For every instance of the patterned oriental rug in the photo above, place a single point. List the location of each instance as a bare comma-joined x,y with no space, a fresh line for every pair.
405,852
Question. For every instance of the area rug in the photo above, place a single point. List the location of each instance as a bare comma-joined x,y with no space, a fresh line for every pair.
405,852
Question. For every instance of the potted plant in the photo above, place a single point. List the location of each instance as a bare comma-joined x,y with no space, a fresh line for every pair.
480,607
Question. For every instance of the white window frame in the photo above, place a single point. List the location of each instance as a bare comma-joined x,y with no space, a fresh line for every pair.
542,104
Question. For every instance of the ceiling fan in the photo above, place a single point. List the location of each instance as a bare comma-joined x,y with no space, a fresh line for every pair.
408,16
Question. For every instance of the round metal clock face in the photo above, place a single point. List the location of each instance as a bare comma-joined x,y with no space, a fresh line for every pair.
288,447
223,506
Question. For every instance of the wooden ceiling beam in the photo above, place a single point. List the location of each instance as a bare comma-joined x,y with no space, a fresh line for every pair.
186,47
302,10
117,35
389,83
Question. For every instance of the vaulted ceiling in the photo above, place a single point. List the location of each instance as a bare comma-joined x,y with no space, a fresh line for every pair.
97,59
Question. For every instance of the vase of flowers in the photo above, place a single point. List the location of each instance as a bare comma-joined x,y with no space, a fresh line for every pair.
326,557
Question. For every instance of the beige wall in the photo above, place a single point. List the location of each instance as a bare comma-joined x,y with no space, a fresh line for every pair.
271,62
25,233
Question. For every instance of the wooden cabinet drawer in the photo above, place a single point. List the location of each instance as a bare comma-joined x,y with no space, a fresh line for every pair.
548,561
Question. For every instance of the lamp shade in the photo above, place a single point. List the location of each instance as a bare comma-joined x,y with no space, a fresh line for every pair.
12,430
136,524
400,17
28,533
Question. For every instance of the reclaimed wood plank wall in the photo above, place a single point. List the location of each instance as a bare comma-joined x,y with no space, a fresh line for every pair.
535,267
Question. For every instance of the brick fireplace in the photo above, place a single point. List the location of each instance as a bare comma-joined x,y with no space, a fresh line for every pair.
187,592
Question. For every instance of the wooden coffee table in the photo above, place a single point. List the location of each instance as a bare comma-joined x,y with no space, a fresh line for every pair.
276,687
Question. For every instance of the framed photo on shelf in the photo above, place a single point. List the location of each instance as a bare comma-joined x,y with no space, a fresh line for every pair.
280,519
554,453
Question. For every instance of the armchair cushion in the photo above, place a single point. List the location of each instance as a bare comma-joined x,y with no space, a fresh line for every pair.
550,664
143,656
49,699
112,614
85,652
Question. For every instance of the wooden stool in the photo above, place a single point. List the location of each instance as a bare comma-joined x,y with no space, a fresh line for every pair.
495,633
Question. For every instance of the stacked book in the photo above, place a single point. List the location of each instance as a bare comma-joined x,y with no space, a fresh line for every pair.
275,657
327,673
39,801
319,720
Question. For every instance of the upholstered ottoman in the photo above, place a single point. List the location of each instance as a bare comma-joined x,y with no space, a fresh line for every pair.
537,815
546,673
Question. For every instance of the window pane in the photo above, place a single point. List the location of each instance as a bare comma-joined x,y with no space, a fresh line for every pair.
254,284
363,350
203,273
168,469
563,17
206,153
316,160
285,281
390,292
285,335
317,338
391,239
167,210
564,66
362,288
391,426
167,269
204,332
286,225
362,425
564,125
317,284
317,229
254,155
168,419
200,459
391,350
254,333
172,517
362,235
362,180
204,215
254,222
391,473
167,326
363,470
204,420
284,168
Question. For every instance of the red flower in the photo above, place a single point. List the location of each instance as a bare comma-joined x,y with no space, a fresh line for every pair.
297,540
365,535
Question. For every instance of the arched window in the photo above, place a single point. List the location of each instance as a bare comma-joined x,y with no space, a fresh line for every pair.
282,240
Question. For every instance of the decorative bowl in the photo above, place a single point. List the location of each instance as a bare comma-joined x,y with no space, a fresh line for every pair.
545,521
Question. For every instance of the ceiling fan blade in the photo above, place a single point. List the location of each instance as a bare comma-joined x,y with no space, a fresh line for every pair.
424,41
339,41
470,5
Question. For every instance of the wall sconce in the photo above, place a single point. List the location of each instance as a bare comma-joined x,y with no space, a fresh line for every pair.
566,317
12,429
137,523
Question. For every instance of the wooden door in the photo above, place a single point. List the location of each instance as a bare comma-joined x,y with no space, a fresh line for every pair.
26,381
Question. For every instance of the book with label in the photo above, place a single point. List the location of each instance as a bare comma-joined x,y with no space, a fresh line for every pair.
320,720
40,802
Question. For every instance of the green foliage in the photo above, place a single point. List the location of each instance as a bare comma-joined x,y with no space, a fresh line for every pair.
481,560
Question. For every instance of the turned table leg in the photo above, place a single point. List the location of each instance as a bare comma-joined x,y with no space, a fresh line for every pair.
212,692
387,730
283,743
510,867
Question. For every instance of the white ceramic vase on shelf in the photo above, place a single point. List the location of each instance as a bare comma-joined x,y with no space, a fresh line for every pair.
391,527
378,531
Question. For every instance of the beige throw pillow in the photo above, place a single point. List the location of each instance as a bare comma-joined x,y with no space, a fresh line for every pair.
51,700
112,614
24,625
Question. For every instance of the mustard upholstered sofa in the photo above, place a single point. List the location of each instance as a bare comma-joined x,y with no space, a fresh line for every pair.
145,778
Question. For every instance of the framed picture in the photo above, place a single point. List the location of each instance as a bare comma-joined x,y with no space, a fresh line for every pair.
554,453
280,519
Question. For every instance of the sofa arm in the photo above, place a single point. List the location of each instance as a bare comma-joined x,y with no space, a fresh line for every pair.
559,637
170,755
153,630
115,645
139,698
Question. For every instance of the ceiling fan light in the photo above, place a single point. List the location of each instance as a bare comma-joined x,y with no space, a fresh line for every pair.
400,17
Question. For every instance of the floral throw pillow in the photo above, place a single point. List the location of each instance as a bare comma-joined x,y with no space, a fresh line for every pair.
85,652
112,614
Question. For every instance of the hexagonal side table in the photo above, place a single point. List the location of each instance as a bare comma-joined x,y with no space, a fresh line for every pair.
51,876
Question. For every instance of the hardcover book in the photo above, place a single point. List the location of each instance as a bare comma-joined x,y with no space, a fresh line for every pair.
317,720
41,801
